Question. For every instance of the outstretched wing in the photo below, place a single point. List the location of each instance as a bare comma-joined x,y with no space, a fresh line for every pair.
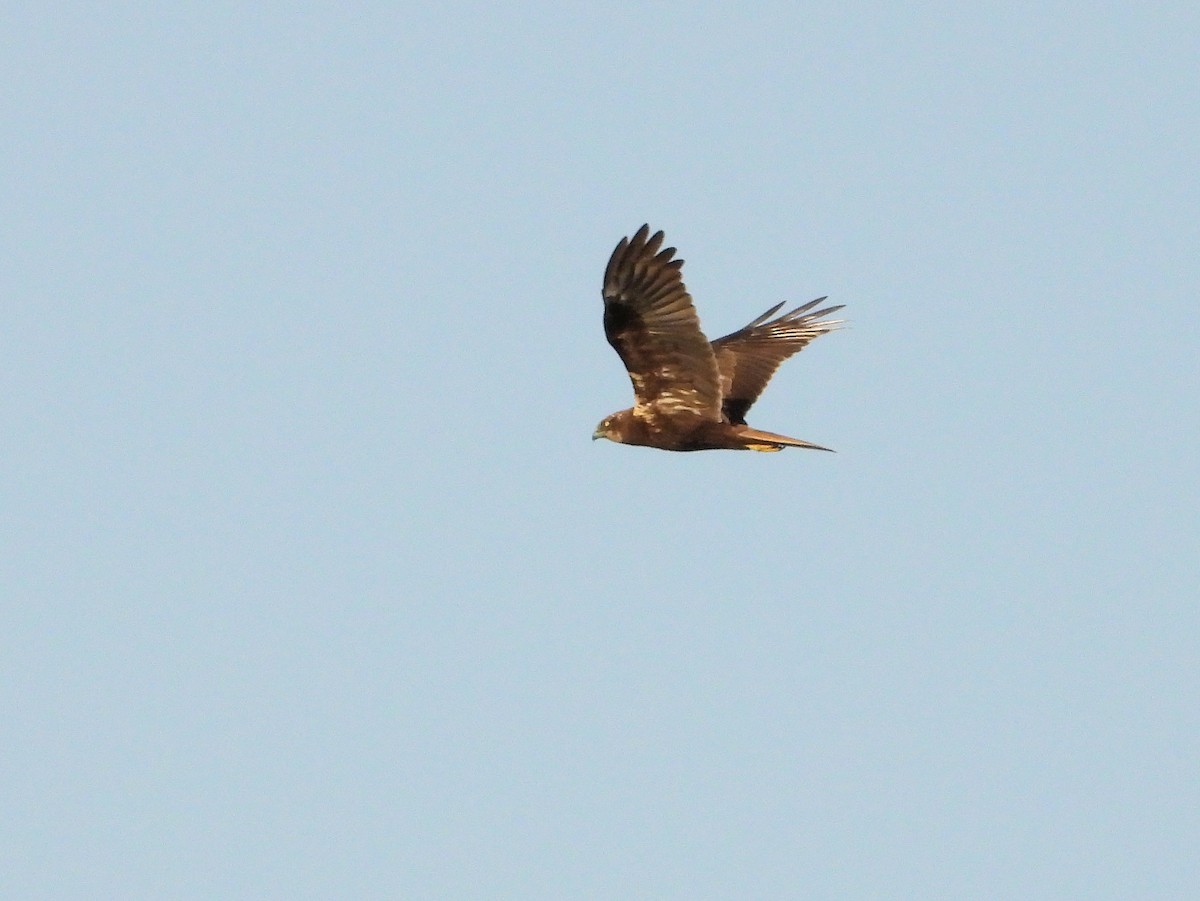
749,357
651,323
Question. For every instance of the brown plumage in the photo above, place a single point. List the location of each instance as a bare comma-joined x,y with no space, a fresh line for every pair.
691,394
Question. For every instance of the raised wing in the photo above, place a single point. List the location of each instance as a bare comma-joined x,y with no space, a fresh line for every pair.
749,357
651,323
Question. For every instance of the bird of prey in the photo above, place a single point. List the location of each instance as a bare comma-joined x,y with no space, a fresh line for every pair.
690,394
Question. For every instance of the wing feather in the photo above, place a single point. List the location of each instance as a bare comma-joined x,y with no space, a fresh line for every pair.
749,357
651,323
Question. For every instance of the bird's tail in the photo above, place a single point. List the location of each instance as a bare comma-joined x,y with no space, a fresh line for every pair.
769,441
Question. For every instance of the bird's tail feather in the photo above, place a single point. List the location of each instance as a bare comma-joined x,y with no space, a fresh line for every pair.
769,441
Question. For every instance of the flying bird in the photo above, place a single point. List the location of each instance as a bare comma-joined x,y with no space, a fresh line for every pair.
691,394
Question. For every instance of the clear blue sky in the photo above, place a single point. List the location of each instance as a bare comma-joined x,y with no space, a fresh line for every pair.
315,585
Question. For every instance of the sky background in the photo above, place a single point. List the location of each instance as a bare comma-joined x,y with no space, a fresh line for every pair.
315,586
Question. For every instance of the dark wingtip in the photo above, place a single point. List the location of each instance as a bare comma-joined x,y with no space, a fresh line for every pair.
644,236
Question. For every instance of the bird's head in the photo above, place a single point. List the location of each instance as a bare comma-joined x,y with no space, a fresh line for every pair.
605,429
621,427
